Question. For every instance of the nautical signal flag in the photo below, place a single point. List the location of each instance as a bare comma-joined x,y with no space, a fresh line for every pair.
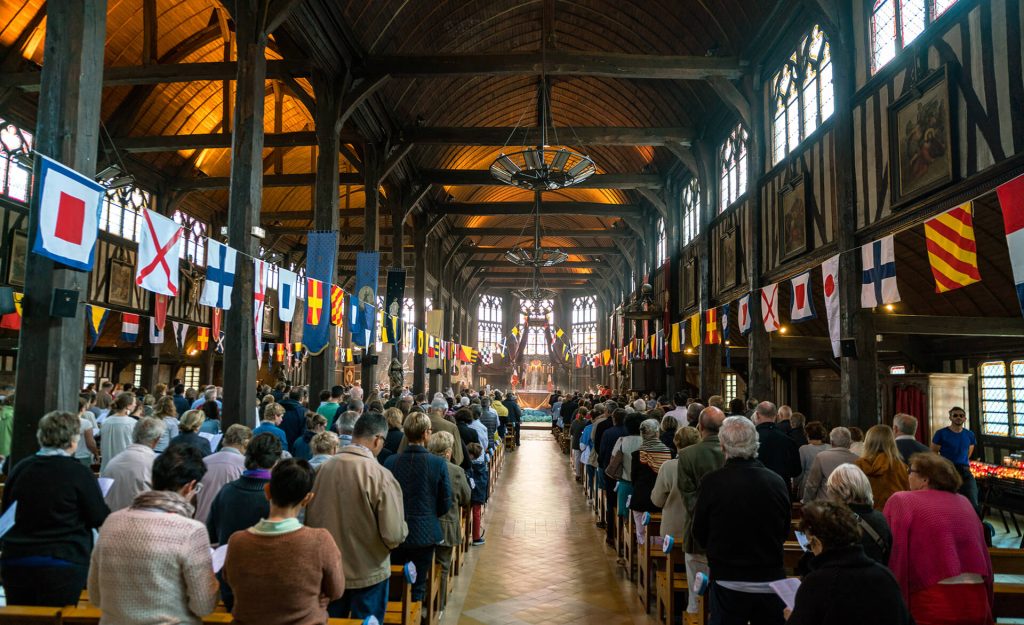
421,340
220,275
830,287
69,215
695,329
677,337
878,283
770,307
287,282
314,301
743,315
390,325
129,327
1011,200
156,331
180,333
259,294
951,248
279,352
159,249
10,306
203,338
337,305
712,333
606,357
97,319
801,304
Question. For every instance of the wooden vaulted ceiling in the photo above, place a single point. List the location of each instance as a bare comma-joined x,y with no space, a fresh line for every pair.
358,32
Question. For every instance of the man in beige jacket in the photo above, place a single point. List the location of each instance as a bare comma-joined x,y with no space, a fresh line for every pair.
360,503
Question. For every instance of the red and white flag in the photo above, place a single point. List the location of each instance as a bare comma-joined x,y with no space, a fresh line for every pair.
743,314
830,286
69,215
801,304
259,282
159,247
770,307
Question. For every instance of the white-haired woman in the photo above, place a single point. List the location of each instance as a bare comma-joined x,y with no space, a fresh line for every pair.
850,485
645,463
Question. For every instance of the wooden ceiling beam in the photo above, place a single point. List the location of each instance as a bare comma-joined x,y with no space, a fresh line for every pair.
573,251
569,264
122,75
218,183
606,233
1009,327
207,141
586,135
556,63
482,177
527,208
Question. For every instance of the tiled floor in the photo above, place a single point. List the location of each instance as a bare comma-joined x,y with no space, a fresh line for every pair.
544,561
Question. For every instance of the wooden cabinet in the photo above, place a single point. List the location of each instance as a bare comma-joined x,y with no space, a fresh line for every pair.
941,391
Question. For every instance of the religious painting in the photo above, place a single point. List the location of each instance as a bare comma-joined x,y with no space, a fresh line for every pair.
348,378
17,251
727,259
119,282
922,147
793,219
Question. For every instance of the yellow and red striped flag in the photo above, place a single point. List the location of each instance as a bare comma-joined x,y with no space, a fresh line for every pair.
951,248
337,305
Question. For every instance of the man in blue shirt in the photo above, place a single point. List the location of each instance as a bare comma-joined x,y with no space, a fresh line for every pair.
180,402
956,444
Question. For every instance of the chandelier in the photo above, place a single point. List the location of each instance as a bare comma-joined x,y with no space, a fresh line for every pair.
535,293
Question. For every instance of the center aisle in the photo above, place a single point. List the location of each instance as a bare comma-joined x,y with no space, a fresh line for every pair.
544,561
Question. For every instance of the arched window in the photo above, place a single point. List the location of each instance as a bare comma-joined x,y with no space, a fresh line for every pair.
539,312
584,325
122,209
489,320
15,171
691,211
733,157
802,93
662,243
895,24
193,244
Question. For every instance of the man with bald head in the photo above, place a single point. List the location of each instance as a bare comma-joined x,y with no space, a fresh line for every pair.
777,451
694,463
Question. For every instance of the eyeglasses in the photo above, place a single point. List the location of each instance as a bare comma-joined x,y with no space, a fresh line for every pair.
958,415
198,488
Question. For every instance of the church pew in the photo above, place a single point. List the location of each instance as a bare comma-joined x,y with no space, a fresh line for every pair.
670,586
434,598
649,557
29,615
91,616
402,610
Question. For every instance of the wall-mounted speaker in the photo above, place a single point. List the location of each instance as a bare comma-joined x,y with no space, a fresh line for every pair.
64,303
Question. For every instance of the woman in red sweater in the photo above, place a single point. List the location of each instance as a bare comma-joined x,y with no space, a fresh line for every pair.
939,554
281,572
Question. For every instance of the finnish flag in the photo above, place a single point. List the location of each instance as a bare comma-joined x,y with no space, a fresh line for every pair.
220,275
878,282
286,293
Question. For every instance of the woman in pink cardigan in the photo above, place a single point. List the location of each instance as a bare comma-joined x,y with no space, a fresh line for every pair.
939,554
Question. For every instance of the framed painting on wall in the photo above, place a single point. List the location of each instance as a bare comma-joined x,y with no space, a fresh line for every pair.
793,219
922,141
727,259
119,282
17,251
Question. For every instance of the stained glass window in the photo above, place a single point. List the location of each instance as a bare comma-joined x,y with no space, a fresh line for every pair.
15,172
662,243
733,157
121,213
584,325
193,242
489,320
536,341
802,93
691,211
895,24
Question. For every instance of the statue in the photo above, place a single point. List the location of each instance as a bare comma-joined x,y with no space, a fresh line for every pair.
396,374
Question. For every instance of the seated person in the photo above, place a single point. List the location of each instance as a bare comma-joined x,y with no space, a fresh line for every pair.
282,573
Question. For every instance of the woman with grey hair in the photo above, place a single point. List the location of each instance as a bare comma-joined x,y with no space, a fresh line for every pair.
850,485
646,462
441,444
46,554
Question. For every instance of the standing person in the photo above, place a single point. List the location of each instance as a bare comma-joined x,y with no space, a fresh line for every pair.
743,557
883,465
857,438
116,431
783,419
515,413
645,464
777,451
88,451
797,432
281,572
294,420
45,558
315,424
480,480
451,523
426,495
939,556
608,439
156,541
222,467
693,464
181,403
815,445
956,444
581,421
359,503
904,427
666,494
826,462
834,592
324,445
849,485
272,415
330,407
395,436
190,425
168,413
132,469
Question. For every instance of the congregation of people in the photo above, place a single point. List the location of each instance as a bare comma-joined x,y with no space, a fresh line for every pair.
314,503
891,527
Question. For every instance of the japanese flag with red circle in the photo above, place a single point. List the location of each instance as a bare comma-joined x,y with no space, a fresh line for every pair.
69,215
830,286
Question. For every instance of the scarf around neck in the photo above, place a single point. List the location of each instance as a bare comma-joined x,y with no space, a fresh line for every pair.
165,501
654,453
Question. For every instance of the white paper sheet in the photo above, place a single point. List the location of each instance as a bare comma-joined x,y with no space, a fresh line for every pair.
218,556
106,483
7,520
786,590
802,539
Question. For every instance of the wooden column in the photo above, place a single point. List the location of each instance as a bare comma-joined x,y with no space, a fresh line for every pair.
419,295
859,404
710,355
759,347
434,377
245,198
447,332
397,262
325,213
371,242
50,348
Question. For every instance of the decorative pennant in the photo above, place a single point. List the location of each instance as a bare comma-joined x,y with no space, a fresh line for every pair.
952,251
606,357
160,311
215,321
695,330
156,331
279,352
129,327
321,249
259,285
712,335
203,338
11,309
69,215
830,286
220,343
770,307
97,319
878,284
801,303
1011,200
220,275
743,315
286,292
180,330
159,249
337,305
725,335
314,301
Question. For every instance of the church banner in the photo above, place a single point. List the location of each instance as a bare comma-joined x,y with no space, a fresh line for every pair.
321,249
364,301
435,321
394,298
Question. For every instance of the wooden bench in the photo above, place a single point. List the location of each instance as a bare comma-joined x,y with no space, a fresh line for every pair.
434,598
29,615
91,616
649,556
670,586
402,610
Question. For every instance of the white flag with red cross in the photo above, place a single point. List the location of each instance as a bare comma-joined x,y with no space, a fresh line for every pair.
159,247
770,307
69,215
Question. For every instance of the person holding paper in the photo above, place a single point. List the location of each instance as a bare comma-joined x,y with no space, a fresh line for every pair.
190,424
152,561
222,467
282,573
844,587
45,558
116,429
132,469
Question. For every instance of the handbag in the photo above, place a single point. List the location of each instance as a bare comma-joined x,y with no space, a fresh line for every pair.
614,468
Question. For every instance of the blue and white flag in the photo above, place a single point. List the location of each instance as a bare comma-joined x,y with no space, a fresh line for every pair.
801,301
743,315
286,282
69,215
220,275
363,325
180,333
321,251
156,332
220,343
878,284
